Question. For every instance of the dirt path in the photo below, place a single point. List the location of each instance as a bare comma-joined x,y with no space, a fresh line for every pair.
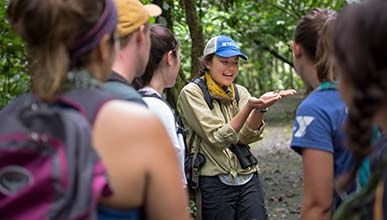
281,173
281,168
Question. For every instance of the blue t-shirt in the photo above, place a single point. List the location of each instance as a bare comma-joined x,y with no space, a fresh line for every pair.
105,213
318,125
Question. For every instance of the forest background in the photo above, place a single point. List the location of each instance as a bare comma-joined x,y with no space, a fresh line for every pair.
262,28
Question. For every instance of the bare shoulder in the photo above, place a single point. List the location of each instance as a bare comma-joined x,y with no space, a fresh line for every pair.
126,137
118,109
140,159
127,117
132,134
119,121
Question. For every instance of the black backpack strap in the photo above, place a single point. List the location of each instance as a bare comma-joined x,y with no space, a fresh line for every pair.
154,95
236,93
124,91
202,85
207,97
86,101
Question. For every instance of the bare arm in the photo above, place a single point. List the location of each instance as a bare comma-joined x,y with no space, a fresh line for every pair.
166,197
318,185
141,162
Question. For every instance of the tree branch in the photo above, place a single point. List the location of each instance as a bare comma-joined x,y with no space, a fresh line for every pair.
273,53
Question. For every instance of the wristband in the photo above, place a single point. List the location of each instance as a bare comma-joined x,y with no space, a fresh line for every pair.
263,110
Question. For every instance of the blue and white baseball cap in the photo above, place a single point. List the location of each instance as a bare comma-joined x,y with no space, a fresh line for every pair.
223,46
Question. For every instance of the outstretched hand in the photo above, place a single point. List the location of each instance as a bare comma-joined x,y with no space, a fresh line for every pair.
282,93
269,98
287,92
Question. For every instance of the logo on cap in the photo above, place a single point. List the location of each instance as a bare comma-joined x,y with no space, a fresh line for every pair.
223,46
229,44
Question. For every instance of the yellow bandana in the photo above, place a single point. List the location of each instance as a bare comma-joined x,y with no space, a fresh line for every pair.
218,92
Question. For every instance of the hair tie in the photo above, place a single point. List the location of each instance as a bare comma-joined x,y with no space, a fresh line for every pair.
105,24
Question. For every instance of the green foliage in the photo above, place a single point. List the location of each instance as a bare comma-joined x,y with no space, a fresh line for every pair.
13,79
192,208
263,29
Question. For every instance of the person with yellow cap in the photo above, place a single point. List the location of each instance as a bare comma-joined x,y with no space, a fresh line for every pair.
146,189
72,45
133,55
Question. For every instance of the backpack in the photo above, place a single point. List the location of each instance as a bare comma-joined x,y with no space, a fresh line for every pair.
207,97
122,90
195,160
48,167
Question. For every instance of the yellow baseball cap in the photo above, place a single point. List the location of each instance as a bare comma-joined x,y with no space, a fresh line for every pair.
132,14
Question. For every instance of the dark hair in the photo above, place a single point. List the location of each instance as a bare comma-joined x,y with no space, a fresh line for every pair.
162,41
313,34
50,28
203,61
361,54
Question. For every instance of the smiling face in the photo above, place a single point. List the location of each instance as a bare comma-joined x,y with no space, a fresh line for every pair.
223,69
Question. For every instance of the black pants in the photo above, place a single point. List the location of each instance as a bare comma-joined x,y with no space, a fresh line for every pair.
223,202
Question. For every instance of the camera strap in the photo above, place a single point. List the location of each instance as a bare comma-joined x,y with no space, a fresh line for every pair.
195,177
195,170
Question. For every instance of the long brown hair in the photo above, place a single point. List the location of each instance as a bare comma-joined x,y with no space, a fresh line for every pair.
162,41
50,28
361,54
313,33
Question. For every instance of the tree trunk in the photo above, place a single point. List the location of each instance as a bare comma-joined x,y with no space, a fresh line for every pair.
196,33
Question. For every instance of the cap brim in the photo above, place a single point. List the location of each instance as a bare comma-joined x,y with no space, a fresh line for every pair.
231,53
153,10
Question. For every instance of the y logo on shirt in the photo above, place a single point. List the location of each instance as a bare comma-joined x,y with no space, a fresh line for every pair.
303,123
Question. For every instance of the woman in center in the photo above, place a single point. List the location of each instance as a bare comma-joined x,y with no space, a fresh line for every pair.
223,118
